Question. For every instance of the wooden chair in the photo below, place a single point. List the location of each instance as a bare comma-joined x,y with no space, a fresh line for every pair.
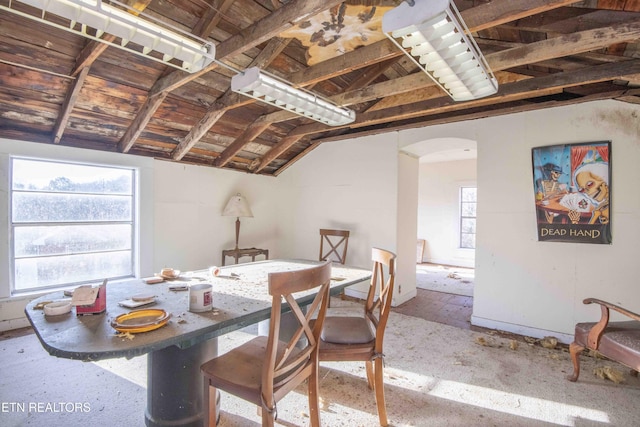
333,245
360,338
618,341
265,369
336,243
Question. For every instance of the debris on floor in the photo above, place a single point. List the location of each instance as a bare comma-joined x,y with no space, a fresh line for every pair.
549,342
486,342
609,373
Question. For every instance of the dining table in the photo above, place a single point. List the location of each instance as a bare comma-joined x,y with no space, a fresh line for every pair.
176,350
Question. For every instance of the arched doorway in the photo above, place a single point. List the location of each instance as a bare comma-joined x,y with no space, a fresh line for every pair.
445,271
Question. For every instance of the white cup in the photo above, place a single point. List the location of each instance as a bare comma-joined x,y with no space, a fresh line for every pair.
200,297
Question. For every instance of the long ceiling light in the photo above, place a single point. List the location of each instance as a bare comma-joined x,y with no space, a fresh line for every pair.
175,47
433,34
258,85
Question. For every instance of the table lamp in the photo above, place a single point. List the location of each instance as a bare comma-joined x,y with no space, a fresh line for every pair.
237,206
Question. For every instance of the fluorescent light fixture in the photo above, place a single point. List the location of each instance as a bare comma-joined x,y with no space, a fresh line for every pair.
194,54
258,85
433,34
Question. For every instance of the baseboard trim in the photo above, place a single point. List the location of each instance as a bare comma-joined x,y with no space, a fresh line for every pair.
11,324
520,329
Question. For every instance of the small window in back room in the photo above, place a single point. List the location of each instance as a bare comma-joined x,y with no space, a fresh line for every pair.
71,223
468,202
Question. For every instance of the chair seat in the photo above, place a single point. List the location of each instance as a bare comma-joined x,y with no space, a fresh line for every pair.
620,341
239,371
346,339
360,338
347,330
265,369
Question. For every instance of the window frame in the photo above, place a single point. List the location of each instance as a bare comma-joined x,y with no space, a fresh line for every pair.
462,217
133,222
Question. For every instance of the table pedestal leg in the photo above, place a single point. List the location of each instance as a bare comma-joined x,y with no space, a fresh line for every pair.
174,385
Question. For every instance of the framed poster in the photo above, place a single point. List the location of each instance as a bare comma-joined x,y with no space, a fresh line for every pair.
572,185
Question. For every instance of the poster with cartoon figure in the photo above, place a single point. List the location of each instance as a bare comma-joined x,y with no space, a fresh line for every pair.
572,185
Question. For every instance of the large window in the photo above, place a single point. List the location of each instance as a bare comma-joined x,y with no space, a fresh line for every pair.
468,202
71,223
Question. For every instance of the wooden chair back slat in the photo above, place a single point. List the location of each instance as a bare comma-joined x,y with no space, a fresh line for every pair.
363,346
299,353
265,369
333,245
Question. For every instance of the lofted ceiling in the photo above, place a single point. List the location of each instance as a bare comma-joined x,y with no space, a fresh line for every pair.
60,88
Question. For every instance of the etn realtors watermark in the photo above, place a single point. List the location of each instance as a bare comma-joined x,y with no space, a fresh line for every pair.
45,407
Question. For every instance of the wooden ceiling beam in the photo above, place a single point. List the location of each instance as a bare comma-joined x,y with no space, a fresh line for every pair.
283,145
473,114
564,45
251,132
266,28
489,15
228,100
522,54
477,18
69,103
485,16
406,83
366,77
571,20
210,19
263,30
93,49
518,90
89,54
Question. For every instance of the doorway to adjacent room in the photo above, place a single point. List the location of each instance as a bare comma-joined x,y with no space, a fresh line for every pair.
444,295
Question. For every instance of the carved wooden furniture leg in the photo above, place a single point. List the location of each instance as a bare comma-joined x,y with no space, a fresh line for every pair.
575,350
618,341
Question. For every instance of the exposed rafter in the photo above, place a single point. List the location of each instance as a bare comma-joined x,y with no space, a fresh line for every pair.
58,88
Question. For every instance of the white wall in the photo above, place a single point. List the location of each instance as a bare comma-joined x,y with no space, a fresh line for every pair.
355,185
190,232
439,210
12,308
180,214
522,285
348,184
406,229
536,288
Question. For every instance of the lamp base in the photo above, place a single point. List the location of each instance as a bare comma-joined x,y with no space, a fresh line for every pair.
237,231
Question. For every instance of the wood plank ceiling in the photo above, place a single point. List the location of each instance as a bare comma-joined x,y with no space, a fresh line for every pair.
59,88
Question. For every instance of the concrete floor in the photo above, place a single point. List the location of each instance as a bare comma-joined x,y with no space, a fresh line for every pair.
440,371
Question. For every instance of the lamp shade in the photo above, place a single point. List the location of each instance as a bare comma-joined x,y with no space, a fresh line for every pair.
433,34
237,206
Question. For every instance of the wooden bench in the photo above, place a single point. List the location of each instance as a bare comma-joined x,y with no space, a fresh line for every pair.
618,341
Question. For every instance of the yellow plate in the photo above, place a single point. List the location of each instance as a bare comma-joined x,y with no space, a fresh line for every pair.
141,320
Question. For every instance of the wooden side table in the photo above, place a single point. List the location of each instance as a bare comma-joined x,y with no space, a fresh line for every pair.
239,253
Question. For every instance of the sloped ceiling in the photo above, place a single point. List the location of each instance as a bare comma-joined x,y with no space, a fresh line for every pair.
60,88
